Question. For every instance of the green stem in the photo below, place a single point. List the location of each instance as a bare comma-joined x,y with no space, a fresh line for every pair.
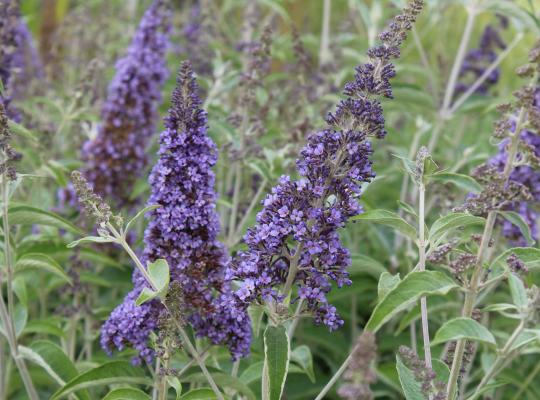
324,53
163,388
422,267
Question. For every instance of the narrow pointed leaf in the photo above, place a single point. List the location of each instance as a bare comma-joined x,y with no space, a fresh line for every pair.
114,372
407,293
276,362
28,215
463,328
41,263
451,221
388,218
126,394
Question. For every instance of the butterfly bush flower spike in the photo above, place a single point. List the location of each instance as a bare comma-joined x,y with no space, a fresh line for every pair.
296,240
116,157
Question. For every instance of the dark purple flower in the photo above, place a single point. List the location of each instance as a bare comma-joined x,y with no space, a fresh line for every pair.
184,231
116,157
19,61
478,60
296,237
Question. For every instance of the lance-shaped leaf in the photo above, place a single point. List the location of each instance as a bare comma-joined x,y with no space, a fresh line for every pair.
28,215
114,372
449,222
462,181
388,218
41,262
276,362
517,220
160,276
463,328
126,394
407,293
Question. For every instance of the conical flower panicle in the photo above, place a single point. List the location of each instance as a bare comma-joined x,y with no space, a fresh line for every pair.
116,157
183,230
298,225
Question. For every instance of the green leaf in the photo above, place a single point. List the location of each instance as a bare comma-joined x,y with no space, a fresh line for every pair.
256,314
54,361
517,289
529,255
252,373
126,394
449,222
387,282
276,362
175,383
302,356
20,130
222,380
146,295
44,327
462,181
199,394
411,388
407,208
362,264
463,328
388,218
159,272
114,372
406,293
526,337
91,239
28,215
517,220
20,318
41,262
140,214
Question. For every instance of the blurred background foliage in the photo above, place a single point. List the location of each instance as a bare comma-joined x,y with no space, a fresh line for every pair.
79,42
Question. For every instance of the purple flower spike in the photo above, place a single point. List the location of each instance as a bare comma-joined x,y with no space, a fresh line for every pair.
19,61
184,232
296,235
116,157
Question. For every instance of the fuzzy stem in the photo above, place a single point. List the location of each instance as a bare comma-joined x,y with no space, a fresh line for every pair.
422,267
324,53
472,293
6,312
460,57
163,388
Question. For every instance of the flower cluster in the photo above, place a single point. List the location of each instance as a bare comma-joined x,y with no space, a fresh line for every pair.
360,373
116,156
183,230
19,61
296,240
9,155
478,60
526,173
197,34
